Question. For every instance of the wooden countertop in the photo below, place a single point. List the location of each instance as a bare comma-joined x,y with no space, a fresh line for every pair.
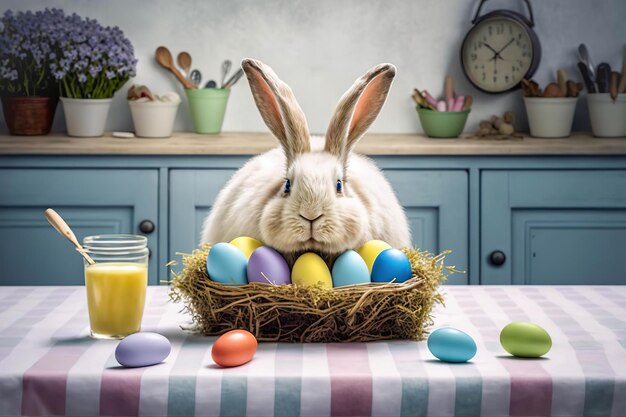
254,143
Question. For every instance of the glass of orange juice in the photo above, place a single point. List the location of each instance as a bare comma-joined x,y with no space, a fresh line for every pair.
116,284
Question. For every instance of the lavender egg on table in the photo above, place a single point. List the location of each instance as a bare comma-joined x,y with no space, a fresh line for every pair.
142,349
267,266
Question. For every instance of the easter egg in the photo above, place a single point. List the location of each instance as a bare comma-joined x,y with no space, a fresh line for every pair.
310,270
451,345
142,349
525,340
234,348
267,266
370,250
246,244
227,264
350,269
391,264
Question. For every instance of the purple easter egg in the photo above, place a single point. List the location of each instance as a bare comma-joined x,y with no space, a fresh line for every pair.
266,261
142,349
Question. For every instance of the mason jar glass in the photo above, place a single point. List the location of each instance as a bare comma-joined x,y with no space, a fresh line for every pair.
116,284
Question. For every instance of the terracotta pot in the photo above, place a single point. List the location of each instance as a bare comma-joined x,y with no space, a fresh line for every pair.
29,116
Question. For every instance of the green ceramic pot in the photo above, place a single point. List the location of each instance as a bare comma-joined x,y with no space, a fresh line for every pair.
439,124
208,106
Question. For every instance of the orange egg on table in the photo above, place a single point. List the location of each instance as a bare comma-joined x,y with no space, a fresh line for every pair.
234,348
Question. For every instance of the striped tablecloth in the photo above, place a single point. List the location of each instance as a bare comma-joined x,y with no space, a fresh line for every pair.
48,365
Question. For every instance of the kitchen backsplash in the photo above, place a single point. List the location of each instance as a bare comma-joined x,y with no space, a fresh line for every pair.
320,47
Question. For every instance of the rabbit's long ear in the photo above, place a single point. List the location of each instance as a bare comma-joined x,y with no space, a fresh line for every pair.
357,109
279,108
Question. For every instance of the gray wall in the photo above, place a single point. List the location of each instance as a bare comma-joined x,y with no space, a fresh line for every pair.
320,47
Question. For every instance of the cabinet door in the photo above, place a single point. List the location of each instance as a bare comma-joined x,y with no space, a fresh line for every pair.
92,201
554,227
192,194
436,205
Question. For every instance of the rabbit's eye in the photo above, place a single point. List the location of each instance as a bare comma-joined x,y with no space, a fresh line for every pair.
287,186
339,186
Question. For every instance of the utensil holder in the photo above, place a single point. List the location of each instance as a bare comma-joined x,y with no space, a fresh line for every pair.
153,119
208,106
439,124
550,117
608,117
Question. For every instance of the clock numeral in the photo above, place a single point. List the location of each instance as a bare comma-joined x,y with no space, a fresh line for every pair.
524,53
490,32
506,79
510,30
495,79
473,57
484,76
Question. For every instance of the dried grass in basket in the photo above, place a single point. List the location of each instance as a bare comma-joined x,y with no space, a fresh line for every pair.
290,313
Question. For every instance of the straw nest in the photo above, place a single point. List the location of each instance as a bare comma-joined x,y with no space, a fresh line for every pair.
291,313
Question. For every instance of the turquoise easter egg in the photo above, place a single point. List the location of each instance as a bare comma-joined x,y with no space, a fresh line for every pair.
451,345
391,264
350,269
525,340
227,264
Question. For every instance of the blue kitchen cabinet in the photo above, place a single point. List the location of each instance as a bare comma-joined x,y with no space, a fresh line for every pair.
435,201
553,227
92,201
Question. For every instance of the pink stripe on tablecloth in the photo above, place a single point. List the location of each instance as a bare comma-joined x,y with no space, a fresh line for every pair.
44,383
350,379
120,391
531,387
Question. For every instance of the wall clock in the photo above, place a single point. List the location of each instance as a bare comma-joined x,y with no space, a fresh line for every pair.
500,49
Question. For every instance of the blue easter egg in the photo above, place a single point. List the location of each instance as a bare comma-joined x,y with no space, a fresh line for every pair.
350,269
390,264
451,345
227,264
142,349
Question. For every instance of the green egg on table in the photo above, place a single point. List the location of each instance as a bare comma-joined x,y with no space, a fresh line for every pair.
525,339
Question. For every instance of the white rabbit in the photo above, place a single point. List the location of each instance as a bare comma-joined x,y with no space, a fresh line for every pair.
304,197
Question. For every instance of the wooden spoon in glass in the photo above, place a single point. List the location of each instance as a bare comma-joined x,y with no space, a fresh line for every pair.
60,226
164,58
184,61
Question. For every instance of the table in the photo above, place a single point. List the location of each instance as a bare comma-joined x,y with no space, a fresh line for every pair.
49,366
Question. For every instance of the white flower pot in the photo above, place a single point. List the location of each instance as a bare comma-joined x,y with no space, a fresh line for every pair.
550,117
86,117
153,119
608,117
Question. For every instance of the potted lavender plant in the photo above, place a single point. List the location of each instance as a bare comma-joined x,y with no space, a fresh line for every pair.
28,91
93,63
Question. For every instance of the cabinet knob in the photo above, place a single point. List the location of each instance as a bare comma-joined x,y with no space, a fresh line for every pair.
146,226
497,257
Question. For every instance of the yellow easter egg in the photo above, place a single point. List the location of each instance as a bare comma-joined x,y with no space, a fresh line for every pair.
246,244
310,270
370,250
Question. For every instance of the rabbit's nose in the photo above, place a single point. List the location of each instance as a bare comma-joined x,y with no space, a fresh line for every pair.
311,216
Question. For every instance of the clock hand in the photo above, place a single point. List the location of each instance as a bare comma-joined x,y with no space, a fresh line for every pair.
505,46
488,46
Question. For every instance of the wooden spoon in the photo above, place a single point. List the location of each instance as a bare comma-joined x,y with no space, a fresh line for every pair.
621,87
164,58
184,61
60,226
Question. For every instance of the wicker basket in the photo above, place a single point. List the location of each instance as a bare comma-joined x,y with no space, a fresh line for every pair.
291,313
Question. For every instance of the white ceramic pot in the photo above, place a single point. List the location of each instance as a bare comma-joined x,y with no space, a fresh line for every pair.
550,117
86,117
608,117
153,119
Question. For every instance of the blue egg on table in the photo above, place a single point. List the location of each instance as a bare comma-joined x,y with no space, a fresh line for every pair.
451,345
267,266
227,264
350,269
391,264
142,349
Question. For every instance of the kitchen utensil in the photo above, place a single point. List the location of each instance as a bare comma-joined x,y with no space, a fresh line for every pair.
195,77
603,75
60,226
613,83
467,103
621,88
561,77
448,88
421,100
226,65
210,84
233,80
184,61
583,53
163,57
584,72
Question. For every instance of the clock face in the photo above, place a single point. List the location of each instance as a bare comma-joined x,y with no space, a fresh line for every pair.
497,53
